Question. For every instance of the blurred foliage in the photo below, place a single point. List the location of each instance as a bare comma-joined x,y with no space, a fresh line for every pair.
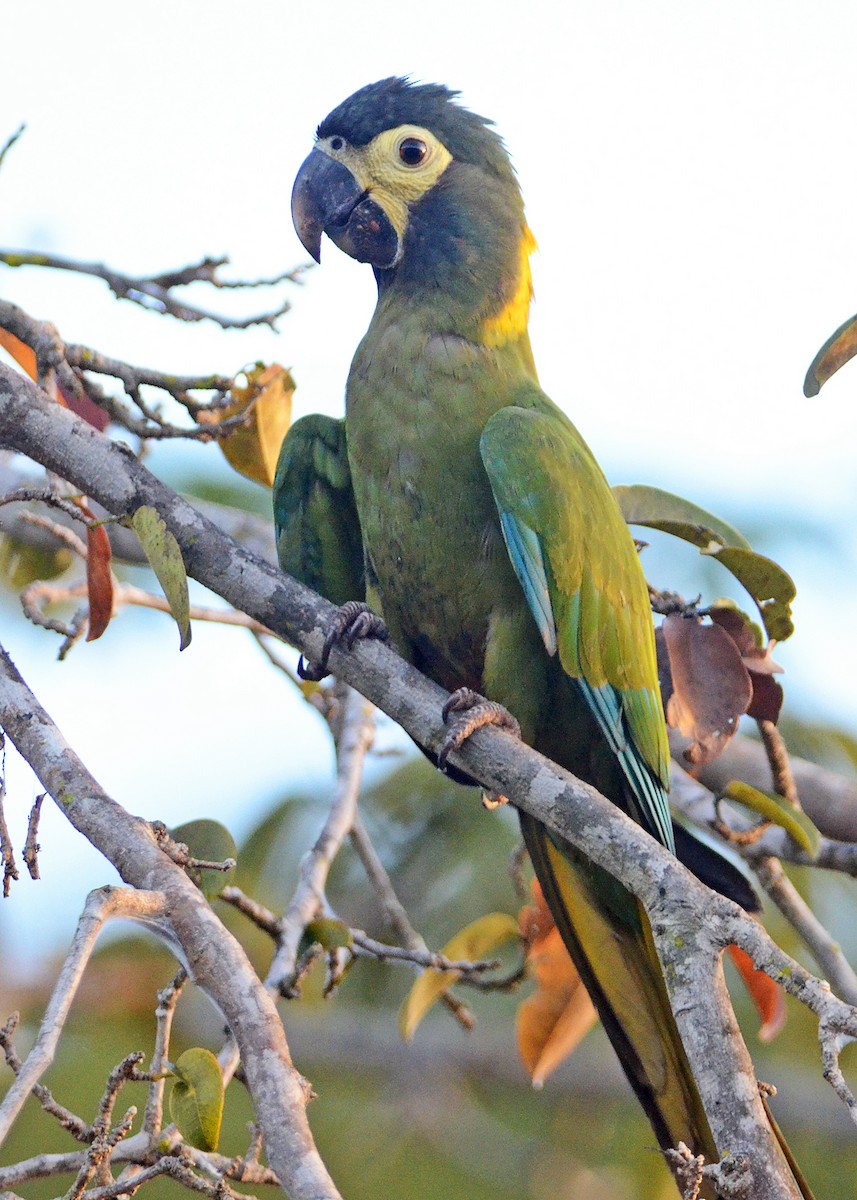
451,1115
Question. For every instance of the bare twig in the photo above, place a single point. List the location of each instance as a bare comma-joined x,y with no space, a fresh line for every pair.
418,958
155,292
825,949
355,737
778,757
261,916
168,998
36,597
31,845
79,1129
101,905
7,854
10,142
396,913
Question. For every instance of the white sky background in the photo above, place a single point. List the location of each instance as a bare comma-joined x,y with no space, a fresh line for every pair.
689,170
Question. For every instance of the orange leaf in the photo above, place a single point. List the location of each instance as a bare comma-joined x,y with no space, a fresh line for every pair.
82,406
24,355
559,1014
767,996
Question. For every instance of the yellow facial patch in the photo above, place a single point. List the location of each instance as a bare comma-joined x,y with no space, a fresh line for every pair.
384,167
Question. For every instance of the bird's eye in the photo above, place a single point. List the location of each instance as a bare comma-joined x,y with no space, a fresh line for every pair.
337,143
412,151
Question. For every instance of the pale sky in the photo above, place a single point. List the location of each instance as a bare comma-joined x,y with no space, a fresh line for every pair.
689,171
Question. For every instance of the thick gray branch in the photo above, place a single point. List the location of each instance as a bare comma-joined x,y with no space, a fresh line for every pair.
215,959
690,924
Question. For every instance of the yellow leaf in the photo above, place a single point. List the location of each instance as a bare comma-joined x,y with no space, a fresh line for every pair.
254,446
776,809
472,943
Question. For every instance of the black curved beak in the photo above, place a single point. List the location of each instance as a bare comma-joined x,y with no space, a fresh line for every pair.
323,198
328,199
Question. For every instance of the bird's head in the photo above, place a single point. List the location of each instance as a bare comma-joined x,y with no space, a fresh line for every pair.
390,153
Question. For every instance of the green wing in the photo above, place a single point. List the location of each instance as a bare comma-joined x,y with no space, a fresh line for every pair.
318,531
577,564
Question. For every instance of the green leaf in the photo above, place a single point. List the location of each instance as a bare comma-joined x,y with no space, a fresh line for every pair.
196,1098
471,943
21,563
776,809
329,933
651,506
212,842
768,584
165,559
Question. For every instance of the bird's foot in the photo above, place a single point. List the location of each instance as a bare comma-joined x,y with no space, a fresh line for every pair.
352,621
473,712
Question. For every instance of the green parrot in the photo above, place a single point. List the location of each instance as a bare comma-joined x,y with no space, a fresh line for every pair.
466,509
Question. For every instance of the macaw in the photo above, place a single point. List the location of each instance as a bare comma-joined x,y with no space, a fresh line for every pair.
465,507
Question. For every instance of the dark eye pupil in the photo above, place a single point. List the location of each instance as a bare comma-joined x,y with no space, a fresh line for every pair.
336,143
412,151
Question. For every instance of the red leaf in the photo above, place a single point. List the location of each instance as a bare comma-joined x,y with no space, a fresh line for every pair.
767,996
99,581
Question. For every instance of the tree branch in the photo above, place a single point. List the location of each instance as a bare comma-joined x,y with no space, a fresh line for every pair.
690,924
155,292
216,960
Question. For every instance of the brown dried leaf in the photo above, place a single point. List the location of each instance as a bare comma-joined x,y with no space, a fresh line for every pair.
559,1014
711,685
767,996
839,349
253,448
99,581
767,699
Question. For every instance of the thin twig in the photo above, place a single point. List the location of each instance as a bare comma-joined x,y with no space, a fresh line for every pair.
261,916
10,142
168,998
155,292
31,845
778,757
355,738
824,948
7,854
417,958
396,913
101,905
79,1129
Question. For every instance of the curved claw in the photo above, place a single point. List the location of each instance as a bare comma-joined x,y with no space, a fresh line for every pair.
475,712
354,620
